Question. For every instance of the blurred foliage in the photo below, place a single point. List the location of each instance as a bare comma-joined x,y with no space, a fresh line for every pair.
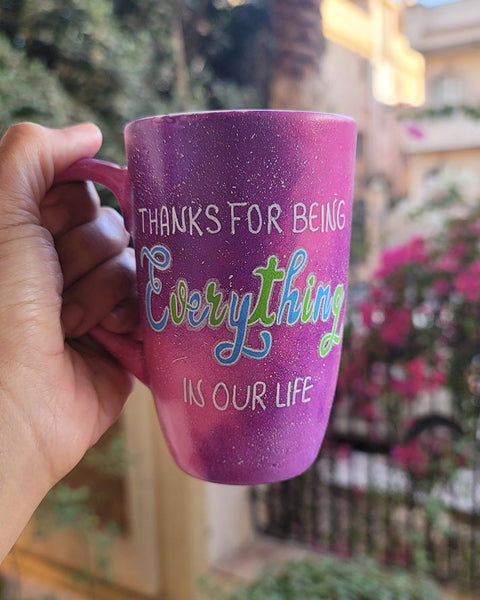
112,61
359,243
49,103
333,579
442,112
66,507
74,506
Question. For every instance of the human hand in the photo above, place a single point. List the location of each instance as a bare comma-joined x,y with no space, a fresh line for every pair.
64,267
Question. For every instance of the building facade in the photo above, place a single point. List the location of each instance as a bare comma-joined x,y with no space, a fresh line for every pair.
441,141
369,70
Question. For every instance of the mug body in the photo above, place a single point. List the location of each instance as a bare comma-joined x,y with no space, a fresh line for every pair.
241,225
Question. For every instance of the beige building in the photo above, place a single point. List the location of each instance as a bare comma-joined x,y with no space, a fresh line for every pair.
369,70
387,59
442,150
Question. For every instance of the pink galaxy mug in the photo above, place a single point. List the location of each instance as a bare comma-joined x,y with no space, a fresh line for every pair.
241,224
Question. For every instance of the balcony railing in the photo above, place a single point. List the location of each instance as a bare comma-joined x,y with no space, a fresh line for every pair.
441,134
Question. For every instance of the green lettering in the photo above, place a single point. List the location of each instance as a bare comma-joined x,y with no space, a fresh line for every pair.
178,315
333,337
268,275
307,310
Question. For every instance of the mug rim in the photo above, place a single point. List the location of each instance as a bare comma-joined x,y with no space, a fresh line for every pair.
320,115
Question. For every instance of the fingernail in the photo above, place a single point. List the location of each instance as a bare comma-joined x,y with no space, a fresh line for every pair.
119,313
72,317
119,320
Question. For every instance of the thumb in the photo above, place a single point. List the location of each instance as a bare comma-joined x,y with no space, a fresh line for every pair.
30,157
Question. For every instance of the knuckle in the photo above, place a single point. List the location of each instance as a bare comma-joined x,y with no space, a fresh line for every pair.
23,132
87,202
124,271
114,218
111,213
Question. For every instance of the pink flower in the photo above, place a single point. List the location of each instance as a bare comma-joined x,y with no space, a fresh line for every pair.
379,372
437,378
370,412
474,228
441,287
343,451
382,294
460,249
411,252
468,282
417,377
448,263
411,457
415,131
366,310
396,327
358,491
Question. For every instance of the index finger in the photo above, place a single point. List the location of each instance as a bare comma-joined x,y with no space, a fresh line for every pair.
69,205
30,157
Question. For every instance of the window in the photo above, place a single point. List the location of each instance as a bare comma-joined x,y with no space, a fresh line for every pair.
360,145
447,90
362,4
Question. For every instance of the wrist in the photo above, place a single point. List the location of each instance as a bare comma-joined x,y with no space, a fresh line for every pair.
23,480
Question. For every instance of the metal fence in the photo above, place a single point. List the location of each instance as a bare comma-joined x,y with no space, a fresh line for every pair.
359,499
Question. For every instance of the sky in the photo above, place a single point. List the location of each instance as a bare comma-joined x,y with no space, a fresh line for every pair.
435,2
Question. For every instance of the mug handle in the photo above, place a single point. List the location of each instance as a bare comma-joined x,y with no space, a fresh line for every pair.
124,348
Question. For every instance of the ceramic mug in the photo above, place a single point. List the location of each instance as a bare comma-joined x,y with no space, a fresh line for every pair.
241,224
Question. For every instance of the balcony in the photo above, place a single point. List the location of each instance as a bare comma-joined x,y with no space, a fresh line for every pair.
441,134
446,26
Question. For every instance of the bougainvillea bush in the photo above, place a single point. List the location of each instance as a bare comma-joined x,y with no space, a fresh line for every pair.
415,334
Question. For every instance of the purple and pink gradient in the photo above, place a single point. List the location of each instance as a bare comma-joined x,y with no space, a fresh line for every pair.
250,185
